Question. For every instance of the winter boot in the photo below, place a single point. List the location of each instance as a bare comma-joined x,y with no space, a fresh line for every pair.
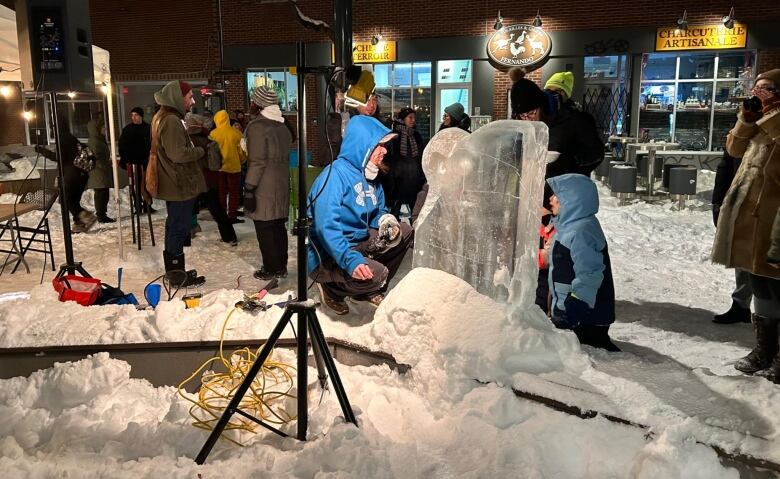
86,220
766,346
265,274
177,274
596,336
105,219
735,314
338,306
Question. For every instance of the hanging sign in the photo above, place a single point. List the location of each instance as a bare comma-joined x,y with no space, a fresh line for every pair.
519,45
701,37
366,52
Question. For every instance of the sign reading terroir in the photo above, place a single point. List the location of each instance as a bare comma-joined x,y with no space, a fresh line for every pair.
701,37
365,52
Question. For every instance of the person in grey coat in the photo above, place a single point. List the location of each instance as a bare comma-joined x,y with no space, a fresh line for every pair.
101,177
267,184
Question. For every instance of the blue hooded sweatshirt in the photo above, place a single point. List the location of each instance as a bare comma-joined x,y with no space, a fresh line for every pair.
579,266
346,203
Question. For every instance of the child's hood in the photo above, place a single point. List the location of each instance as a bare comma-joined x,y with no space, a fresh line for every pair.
577,196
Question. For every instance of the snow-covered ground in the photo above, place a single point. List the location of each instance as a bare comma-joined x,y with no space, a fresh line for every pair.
89,419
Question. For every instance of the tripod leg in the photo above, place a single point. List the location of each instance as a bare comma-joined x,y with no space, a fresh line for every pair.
303,376
242,389
330,365
322,374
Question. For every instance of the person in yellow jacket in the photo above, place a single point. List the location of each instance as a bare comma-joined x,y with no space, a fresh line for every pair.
229,141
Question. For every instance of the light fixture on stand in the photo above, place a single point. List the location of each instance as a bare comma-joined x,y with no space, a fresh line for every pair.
499,22
682,22
538,20
728,20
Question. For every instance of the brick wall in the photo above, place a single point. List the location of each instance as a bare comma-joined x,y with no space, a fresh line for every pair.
768,59
153,40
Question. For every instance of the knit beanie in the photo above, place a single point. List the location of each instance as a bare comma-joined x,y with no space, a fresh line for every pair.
563,81
138,110
404,112
456,111
185,87
771,75
264,96
525,94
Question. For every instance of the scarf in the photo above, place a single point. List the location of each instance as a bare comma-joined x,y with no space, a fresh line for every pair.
408,145
273,113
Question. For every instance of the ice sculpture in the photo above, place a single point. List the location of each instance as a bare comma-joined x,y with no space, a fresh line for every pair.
481,219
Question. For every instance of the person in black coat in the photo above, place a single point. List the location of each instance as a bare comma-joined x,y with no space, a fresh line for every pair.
742,294
405,177
75,178
135,142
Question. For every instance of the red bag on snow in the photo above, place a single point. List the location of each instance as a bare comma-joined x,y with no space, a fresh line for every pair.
70,287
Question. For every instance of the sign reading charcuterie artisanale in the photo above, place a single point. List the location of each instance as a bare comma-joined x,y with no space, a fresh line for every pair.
519,45
701,37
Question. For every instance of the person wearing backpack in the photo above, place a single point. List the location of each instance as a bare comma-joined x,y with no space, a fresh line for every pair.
210,162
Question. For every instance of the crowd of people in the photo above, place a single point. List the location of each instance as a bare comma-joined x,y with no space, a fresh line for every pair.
372,178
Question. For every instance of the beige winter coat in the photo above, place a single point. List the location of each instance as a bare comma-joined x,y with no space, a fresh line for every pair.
268,168
748,211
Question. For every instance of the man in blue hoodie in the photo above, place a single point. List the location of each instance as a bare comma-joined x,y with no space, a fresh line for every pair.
355,247
583,294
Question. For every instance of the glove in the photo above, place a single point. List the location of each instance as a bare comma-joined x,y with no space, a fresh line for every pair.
250,203
715,214
389,230
577,310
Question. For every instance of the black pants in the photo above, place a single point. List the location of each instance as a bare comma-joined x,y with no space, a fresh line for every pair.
766,296
340,283
75,183
177,226
101,201
272,238
226,231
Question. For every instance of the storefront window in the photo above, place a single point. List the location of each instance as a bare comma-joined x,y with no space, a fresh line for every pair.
602,67
400,85
281,80
661,66
454,71
697,66
701,101
141,94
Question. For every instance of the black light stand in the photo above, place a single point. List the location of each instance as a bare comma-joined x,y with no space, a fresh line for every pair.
302,307
70,266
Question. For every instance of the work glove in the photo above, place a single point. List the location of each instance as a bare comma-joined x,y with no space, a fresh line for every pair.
250,203
389,230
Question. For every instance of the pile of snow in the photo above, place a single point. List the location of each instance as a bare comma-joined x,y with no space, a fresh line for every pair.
89,419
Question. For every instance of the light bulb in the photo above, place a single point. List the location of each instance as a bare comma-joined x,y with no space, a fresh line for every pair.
71,94
28,115
105,89
6,91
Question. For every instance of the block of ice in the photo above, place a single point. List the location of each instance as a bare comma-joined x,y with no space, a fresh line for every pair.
481,219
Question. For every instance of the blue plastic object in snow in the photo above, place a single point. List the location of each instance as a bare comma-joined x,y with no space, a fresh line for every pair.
152,294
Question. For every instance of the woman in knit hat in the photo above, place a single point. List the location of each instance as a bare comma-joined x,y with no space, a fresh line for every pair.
747,215
405,177
267,184
455,116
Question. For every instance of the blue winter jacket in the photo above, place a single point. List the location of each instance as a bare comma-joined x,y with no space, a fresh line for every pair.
580,272
346,204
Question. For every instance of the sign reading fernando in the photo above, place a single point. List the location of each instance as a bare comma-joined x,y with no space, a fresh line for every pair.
519,45
701,37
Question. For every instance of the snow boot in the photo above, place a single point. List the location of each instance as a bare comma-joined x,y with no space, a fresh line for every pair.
177,274
338,306
766,346
105,219
596,336
265,274
86,220
735,314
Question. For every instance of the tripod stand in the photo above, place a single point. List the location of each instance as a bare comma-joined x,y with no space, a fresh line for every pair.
303,308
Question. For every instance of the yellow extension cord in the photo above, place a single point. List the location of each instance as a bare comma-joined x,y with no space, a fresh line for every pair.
264,399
